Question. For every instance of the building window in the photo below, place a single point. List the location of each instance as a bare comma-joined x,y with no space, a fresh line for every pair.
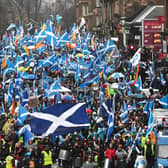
98,4
97,20
85,10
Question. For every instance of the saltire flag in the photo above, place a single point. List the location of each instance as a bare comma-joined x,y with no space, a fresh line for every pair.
151,118
138,84
146,107
164,102
110,125
40,36
26,132
111,120
85,50
78,73
124,115
51,37
136,58
54,88
22,115
28,136
59,119
94,80
163,81
10,91
150,124
25,97
106,108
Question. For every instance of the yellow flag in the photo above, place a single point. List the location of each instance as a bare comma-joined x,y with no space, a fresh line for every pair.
26,50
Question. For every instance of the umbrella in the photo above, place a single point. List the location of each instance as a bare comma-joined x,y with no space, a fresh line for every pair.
116,75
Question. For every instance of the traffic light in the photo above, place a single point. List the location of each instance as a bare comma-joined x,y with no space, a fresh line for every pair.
131,47
157,38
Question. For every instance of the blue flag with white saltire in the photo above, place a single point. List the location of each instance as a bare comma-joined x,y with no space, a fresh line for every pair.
163,81
10,92
59,119
146,107
151,118
94,80
110,125
124,115
51,37
164,102
22,115
106,108
150,124
78,73
111,120
138,84
28,136
25,97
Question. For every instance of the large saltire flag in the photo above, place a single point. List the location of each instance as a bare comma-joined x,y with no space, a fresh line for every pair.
136,58
164,101
59,119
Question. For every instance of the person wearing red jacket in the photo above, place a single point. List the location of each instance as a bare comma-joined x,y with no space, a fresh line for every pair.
110,153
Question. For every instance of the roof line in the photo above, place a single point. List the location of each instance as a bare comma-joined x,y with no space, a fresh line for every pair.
145,13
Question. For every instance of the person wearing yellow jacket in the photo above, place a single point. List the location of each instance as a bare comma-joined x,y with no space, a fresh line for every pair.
149,153
47,158
9,161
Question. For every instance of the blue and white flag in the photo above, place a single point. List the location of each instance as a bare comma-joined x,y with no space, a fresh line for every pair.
94,80
111,120
10,91
163,81
106,108
151,118
136,58
138,84
150,124
110,125
164,101
124,115
22,115
59,119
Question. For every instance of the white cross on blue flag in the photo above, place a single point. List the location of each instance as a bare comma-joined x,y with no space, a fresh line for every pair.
59,119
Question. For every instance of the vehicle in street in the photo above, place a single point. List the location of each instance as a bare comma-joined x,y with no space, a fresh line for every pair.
161,157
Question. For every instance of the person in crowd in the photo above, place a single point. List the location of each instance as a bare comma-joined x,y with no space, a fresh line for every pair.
149,153
121,157
110,153
47,159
